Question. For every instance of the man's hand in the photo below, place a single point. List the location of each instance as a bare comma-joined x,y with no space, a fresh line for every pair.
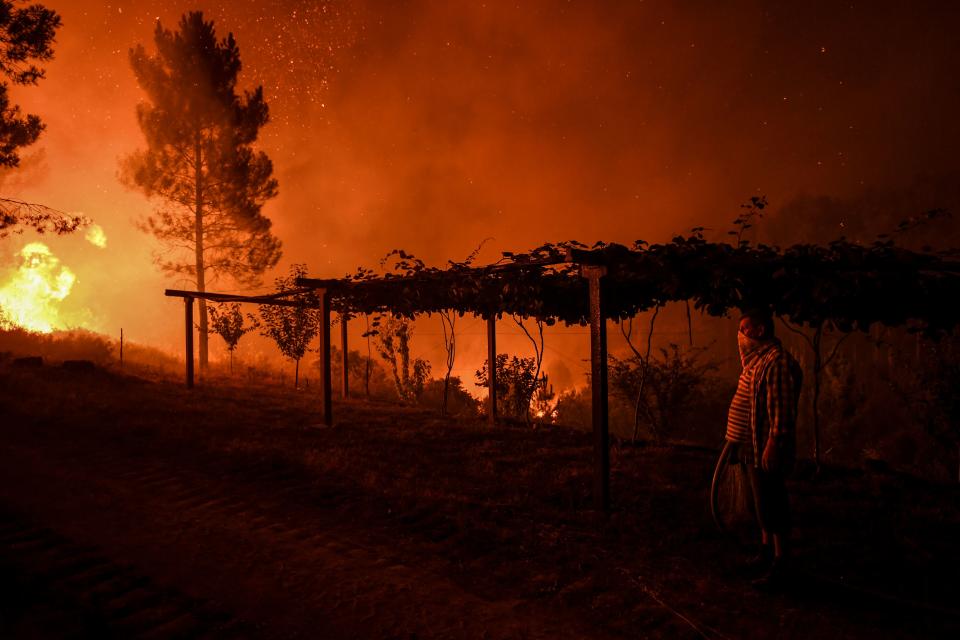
771,457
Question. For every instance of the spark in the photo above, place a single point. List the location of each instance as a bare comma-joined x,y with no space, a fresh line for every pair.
96,236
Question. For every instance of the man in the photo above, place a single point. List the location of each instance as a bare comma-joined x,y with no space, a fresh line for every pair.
762,422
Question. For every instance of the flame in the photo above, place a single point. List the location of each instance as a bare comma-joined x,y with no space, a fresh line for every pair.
31,297
96,236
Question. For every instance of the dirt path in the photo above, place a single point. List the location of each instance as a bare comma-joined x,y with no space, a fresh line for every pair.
265,547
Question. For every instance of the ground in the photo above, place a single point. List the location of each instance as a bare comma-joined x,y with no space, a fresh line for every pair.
134,507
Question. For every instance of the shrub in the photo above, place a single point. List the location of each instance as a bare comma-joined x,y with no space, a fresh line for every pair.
459,401
664,390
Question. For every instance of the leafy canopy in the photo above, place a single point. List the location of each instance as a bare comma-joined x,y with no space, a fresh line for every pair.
291,327
199,161
26,39
15,215
228,322
849,285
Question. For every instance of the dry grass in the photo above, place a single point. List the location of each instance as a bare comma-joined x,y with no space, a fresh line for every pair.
507,509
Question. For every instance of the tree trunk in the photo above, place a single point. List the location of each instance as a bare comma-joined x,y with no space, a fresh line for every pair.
645,363
198,231
366,366
404,348
296,374
450,345
817,370
396,376
446,389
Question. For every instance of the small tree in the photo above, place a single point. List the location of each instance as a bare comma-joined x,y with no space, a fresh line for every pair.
291,327
820,364
667,384
393,344
538,384
542,406
520,384
448,320
930,390
516,383
228,323
643,361
361,370
458,400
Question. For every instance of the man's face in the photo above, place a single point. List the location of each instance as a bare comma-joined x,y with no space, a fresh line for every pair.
752,329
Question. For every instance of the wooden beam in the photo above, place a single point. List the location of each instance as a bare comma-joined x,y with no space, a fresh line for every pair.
188,330
492,369
326,396
344,361
598,383
273,298
339,285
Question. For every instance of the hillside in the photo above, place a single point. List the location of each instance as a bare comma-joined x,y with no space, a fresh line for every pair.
135,507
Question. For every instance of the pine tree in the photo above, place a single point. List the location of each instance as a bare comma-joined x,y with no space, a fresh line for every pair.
26,35
26,39
199,163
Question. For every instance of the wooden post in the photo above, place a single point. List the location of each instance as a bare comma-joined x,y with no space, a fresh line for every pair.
188,325
345,382
598,383
326,396
492,368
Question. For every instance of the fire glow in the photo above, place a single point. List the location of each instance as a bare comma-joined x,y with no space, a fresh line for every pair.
96,236
31,296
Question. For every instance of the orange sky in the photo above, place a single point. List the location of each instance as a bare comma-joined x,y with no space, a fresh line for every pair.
431,126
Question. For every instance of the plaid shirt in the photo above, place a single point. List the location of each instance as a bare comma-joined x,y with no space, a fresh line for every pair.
776,394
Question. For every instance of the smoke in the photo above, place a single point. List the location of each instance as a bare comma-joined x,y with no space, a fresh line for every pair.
448,123
863,216
430,126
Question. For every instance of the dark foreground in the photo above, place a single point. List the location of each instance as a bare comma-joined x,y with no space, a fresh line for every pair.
131,508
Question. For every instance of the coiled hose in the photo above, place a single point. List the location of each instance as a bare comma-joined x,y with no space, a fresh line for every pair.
722,463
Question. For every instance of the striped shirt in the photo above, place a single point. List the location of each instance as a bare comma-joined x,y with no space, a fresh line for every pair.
738,417
770,387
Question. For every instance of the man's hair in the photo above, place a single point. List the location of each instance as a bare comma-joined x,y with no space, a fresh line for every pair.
761,316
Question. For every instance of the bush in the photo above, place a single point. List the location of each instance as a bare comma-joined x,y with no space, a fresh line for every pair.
516,385
668,387
381,387
574,408
459,401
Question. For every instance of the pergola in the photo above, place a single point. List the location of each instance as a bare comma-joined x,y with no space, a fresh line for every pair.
846,284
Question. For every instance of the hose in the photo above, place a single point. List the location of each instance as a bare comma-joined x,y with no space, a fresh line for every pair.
722,463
